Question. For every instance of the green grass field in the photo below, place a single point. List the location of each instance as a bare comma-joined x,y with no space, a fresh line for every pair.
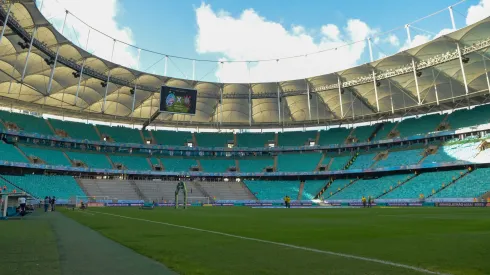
444,240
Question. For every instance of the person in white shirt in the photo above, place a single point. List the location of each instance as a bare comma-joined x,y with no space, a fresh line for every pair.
22,204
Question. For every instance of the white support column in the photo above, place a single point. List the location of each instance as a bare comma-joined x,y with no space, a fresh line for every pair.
435,86
5,21
108,79
13,72
28,54
352,106
88,37
308,96
249,105
486,72
279,101
462,68
340,97
135,85
166,62
50,82
79,81
451,14
407,27
221,105
391,97
375,91
370,49
414,68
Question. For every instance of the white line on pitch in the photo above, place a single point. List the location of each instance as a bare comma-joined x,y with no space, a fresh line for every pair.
285,245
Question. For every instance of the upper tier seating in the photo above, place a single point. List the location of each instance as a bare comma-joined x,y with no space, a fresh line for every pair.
401,158
298,162
213,139
466,118
52,157
424,184
27,123
76,130
454,152
227,191
132,162
333,136
178,164
363,161
384,131
62,187
419,126
121,134
369,187
473,185
255,165
10,153
273,190
113,189
171,138
312,188
92,160
363,133
216,165
296,138
338,162
254,139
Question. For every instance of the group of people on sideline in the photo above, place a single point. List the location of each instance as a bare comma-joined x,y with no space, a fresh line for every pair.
49,203
367,202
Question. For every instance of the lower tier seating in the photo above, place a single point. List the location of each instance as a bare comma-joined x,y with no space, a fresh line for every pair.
312,188
273,190
62,187
473,185
370,187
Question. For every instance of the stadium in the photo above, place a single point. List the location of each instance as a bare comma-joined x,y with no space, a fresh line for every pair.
407,135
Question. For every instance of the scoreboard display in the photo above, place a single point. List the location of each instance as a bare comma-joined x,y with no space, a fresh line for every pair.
178,100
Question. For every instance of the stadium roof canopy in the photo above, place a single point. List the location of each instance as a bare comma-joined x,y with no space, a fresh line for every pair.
385,88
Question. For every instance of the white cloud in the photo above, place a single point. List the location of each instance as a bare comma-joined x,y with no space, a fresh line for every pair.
417,40
478,12
393,40
103,18
252,37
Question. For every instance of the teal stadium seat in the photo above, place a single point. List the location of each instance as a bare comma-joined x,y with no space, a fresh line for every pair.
216,165
336,185
384,131
63,187
213,139
337,162
467,118
333,136
363,161
76,130
92,160
255,165
132,162
424,184
473,185
312,188
178,164
370,187
296,138
121,134
52,157
27,123
254,139
273,190
171,137
298,162
364,132
401,158
10,153
419,126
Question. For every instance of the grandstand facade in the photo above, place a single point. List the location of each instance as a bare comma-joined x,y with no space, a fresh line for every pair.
441,156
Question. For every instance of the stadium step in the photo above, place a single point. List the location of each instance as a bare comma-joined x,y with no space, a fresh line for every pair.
98,132
50,126
398,185
67,157
451,183
347,186
248,191
81,186
376,130
137,190
301,188
203,191
22,153
320,162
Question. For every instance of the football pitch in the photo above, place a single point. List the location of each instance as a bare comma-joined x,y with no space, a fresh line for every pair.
240,240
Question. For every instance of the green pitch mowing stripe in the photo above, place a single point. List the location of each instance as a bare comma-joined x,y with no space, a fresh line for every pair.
239,240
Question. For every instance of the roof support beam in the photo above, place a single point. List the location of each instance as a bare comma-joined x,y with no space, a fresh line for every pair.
375,90
340,97
27,56
462,66
279,101
6,20
486,72
108,78
391,98
249,105
79,81
416,81
308,97
435,86
13,71
50,83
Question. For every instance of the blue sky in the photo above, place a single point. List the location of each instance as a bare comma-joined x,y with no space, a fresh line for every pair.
254,29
